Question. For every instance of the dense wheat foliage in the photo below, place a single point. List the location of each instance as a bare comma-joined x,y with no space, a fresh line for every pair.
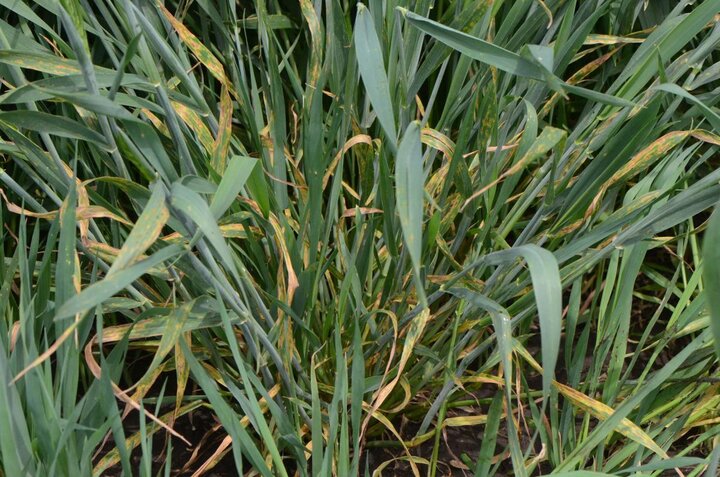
315,238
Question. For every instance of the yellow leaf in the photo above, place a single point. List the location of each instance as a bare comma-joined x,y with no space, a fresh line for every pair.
222,141
598,409
200,51
196,124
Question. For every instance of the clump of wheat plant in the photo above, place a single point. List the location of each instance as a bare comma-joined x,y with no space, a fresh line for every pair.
316,221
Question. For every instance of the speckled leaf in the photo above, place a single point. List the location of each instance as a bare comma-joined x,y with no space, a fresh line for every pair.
194,207
75,10
96,293
545,277
640,161
200,51
174,327
196,124
40,62
548,139
145,232
222,140
596,408
308,10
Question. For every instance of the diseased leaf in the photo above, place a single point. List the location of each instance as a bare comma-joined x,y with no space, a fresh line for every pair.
194,207
200,51
545,276
96,293
146,231
40,62
599,410
222,140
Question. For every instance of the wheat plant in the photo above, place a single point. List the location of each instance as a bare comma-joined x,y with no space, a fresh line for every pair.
315,238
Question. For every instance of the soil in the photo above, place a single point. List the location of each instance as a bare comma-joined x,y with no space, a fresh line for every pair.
198,427
456,445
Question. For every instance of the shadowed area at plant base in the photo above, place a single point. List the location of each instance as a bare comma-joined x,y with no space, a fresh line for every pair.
197,426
